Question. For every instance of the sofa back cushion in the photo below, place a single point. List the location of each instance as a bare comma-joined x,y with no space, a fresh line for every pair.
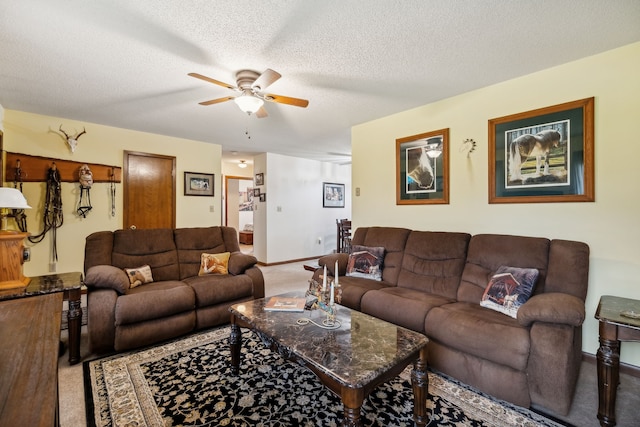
433,262
487,252
568,268
393,241
154,247
193,242
97,249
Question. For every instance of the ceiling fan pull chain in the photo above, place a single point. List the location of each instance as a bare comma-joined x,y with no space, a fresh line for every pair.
246,132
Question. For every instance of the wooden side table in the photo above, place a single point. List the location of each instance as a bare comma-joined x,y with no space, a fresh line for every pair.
70,284
614,327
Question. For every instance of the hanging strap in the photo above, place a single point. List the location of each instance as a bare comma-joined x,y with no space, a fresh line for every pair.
53,217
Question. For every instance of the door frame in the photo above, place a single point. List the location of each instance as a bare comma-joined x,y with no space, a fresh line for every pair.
226,192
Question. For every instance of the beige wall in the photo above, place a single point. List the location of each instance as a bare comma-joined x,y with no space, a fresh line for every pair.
609,226
37,135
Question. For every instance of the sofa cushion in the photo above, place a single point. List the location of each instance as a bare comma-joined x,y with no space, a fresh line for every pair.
433,262
214,264
239,262
139,275
365,262
401,306
154,247
107,277
508,289
483,333
153,301
216,289
353,288
393,241
487,252
191,243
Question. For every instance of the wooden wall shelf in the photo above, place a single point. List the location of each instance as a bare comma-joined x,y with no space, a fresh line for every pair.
35,168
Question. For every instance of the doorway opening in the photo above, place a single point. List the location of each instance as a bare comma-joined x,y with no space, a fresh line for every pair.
239,209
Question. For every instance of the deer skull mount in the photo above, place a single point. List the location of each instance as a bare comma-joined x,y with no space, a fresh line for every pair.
72,141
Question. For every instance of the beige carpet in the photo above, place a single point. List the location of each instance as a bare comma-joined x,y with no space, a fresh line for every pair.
286,277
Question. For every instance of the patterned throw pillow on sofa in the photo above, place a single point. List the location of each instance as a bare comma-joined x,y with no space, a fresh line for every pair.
214,263
508,289
365,262
139,276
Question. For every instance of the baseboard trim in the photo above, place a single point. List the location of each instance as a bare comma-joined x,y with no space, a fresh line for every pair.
625,368
289,261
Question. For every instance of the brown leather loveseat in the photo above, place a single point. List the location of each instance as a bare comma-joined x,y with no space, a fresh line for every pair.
178,300
433,282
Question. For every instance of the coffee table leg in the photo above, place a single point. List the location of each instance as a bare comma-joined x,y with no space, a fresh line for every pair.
420,384
235,343
74,321
352,400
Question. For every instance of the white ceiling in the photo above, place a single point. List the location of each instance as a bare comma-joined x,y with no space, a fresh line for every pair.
124,63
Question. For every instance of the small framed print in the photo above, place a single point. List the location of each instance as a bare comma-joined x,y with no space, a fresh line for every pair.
256,192
422,168
332,195
263,197
260,179
198,184
544,155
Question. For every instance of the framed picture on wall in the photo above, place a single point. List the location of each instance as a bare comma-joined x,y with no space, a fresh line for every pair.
198,184
259,179
256,192
543,155
332,195
422,168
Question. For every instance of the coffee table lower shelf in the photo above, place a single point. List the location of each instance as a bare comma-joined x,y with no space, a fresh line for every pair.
351,392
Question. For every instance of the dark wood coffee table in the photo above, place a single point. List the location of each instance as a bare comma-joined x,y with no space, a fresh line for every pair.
351,360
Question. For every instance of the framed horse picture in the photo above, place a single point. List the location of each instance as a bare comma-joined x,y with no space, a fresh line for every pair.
422,168
543,155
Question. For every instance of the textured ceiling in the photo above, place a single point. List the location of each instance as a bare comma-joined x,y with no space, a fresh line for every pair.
124,63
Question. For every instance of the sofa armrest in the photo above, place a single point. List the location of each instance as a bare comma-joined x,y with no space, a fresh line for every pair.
552,307
107,277
239,262
330,262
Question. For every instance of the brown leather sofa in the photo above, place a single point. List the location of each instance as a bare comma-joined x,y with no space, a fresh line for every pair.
432,282
178,300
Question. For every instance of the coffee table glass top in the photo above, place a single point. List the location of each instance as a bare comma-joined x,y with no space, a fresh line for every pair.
360,350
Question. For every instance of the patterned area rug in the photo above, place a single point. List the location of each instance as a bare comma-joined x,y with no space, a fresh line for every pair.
188,382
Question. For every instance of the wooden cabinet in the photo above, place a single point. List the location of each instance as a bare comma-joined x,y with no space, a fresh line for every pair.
246,238
30,337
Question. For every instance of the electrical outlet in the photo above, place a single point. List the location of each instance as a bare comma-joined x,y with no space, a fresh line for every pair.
211,208
26,254
53,266
357,191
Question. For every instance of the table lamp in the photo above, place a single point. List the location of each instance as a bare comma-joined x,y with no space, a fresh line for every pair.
11,248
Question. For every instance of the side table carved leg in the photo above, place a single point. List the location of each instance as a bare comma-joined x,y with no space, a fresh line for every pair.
420,384
235,343
608,357
74,319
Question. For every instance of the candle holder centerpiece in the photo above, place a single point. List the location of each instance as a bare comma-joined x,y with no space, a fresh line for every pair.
324,296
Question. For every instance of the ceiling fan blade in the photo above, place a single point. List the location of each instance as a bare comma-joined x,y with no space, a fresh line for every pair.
266,79
286,100
210,80
217,100
261,113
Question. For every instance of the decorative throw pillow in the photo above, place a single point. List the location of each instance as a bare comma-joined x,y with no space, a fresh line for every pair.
365,262
214,263
508,289
139,276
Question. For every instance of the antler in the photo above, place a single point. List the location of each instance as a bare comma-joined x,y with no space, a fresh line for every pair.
81,133
65,134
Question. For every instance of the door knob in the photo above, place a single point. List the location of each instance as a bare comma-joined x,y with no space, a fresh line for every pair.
133,227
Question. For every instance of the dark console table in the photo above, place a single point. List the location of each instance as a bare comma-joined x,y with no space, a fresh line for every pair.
619,321
70,285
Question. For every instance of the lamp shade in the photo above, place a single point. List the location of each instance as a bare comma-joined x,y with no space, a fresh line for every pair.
248,103
12,198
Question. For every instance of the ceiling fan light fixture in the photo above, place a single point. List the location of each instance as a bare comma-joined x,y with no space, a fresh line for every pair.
248,103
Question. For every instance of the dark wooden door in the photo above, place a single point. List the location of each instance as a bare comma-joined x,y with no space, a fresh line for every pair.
149,188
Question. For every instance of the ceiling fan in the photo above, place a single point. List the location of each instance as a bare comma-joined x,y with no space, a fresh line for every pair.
251,84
